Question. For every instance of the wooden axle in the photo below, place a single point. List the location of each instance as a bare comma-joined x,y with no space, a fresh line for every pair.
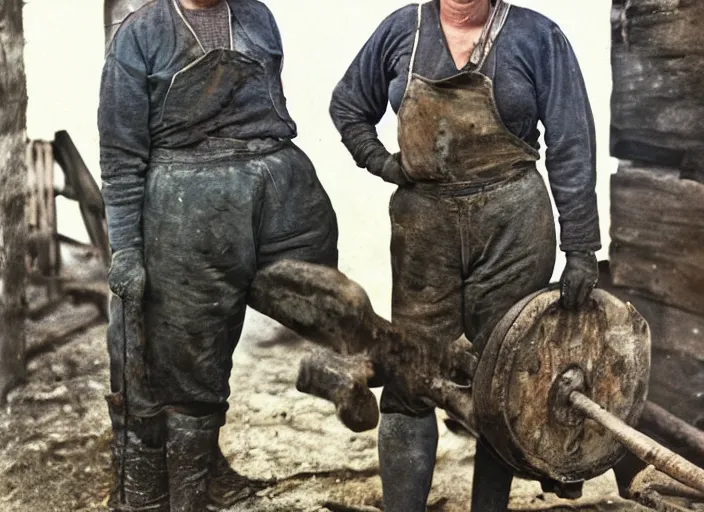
514,394
338,379
641,445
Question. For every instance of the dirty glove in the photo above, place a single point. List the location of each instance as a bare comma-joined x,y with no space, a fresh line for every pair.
578,279
388,167
127,277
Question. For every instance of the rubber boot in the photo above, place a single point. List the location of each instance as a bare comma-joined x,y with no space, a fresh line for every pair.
226,486
138,463
189,456
491,486
407,447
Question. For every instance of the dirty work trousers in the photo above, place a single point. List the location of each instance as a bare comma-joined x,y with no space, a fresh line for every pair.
213,215
462,257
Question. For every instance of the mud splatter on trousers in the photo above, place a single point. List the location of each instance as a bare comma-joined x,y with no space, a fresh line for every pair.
462,256
213,215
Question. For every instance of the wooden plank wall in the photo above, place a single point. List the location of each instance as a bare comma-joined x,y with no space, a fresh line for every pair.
657,235
657,106
657,195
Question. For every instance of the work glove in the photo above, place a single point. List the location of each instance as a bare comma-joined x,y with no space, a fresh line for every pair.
388,167
578,279
127,276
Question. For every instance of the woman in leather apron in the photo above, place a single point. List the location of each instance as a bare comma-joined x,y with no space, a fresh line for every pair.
202,187
472,223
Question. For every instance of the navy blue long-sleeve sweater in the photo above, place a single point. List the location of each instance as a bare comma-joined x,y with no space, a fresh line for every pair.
536,77
137,112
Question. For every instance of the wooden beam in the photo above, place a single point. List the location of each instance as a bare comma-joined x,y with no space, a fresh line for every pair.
657,235
675,429
657,102
81,182
64,333
663,28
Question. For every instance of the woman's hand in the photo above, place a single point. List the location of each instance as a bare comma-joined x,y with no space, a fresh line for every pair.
127,277
578,279
388,167
393,172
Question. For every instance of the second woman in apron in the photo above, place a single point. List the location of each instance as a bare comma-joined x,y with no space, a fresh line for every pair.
472,223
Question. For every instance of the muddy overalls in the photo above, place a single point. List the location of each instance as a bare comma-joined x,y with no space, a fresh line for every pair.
214,213
471,235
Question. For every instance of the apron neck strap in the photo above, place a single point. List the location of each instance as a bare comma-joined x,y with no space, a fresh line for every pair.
415,45
491,30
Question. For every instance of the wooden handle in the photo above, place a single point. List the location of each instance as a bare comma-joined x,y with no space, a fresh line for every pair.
343,381
641,445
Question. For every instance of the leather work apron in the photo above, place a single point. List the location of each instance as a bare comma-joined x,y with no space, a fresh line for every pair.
215,86
449,130
473,233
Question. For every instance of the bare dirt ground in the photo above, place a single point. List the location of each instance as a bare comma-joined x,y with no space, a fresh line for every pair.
54,435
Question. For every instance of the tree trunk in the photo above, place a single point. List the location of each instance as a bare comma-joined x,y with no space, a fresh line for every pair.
13,176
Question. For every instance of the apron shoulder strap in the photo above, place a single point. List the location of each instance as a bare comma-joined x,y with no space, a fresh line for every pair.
415,45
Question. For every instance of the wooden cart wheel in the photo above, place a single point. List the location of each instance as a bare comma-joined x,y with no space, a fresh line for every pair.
534,347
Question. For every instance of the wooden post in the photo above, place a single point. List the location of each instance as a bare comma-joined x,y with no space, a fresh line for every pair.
13,183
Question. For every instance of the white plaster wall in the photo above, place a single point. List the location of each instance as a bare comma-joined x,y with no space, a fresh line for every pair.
64,55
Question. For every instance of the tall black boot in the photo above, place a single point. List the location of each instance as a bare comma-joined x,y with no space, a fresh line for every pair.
491,486
138,463
571,491
226,486
189,455
407,447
